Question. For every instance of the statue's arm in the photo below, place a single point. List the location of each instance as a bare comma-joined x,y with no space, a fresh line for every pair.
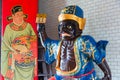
106,70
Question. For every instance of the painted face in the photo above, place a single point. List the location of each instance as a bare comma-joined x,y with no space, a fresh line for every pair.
68,29
18,17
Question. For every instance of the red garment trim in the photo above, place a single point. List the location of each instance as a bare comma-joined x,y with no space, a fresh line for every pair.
79,76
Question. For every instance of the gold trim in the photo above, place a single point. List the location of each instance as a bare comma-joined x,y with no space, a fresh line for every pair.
103,59
41,18
41,15
81,21
72,72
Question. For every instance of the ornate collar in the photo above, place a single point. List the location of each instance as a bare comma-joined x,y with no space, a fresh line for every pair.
18,28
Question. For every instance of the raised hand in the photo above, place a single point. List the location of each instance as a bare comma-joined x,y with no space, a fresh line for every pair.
41,20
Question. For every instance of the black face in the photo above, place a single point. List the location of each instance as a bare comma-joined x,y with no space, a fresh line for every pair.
69,29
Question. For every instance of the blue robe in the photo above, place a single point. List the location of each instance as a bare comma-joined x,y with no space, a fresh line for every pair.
86,51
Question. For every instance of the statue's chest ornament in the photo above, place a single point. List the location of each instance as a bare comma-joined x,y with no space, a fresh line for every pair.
77,62
79,47
67,57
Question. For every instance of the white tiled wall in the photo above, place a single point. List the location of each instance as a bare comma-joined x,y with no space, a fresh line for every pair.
103,22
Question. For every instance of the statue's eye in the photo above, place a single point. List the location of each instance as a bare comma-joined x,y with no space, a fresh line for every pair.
69,27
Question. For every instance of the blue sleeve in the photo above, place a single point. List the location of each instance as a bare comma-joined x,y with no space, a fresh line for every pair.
101,47
98,49
50,50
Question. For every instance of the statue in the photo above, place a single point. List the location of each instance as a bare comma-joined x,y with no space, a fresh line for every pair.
74,53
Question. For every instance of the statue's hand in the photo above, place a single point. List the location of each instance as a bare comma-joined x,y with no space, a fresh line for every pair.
106,77
41,27
41,20
106,70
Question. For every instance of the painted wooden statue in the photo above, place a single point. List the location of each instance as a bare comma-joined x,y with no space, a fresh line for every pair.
74,53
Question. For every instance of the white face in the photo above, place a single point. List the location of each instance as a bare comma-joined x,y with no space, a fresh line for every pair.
18,17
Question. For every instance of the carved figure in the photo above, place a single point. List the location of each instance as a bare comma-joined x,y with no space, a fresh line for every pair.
74,53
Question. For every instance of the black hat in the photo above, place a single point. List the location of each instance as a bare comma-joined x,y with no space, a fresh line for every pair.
16,9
